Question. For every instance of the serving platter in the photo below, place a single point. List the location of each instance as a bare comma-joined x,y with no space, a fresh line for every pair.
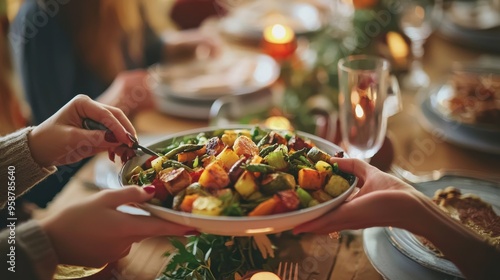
239,226
411,246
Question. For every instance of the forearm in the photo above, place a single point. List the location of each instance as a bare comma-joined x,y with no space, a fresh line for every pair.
475,258
18,169
28,253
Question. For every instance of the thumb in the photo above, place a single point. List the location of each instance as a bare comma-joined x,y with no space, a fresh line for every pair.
129,194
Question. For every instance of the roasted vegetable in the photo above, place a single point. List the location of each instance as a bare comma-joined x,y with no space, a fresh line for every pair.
244,146
310,179
287,201
277,158
275,182
174,180
207,205
336,185
227,157
315,154
304,197
321,196
264,208
214,176
246,185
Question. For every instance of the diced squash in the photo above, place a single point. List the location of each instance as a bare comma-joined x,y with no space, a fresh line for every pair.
246,185
227,157
321,196
207,205
157,162
264,208
244,146
323,166
175,180
214,176
336,185
187,203
186,156
310,179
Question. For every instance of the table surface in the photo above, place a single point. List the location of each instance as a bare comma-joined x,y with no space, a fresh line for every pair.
414,148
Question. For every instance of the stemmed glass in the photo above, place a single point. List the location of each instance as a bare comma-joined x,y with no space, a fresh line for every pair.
365,103
417,21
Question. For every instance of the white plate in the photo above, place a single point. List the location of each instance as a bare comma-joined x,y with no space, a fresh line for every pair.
248,22
232,72
240,226
468,136
410,246
391,263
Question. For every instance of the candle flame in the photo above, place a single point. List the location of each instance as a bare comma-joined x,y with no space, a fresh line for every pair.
278,123
358,110
278,34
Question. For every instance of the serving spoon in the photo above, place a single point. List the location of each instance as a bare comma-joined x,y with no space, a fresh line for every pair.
90,124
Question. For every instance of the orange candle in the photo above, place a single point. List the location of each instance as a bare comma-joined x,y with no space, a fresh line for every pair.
279,41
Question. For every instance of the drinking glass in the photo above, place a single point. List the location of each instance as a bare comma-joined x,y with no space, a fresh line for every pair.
416,20
368,95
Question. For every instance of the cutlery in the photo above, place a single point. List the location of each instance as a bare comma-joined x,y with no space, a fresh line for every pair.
288,271
93,125
438,174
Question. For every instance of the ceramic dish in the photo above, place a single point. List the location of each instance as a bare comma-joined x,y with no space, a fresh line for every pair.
391,263
240,226
410,246
468,136
202,81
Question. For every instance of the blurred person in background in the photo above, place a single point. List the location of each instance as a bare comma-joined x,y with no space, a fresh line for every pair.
96,47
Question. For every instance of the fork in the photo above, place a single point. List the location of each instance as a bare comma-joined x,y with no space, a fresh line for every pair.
440,173
288,271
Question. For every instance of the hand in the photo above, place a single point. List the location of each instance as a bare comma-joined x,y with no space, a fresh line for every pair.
92,232
61,139
188,44
130,92
365,209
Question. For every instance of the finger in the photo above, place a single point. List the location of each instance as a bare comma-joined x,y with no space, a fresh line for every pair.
127,195
88,108
363,212
354,166
122,118
144,226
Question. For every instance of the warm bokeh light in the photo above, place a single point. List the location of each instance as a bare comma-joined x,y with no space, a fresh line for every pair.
278,34
397,45
358,110
265,275
278,123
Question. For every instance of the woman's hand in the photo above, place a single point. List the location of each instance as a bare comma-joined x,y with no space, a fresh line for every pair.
61,139
92,232
382,200
130,92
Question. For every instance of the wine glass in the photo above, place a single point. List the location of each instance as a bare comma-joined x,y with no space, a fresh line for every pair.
416,20
365,103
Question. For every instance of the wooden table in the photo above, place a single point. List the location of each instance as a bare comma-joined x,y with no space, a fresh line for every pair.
334,259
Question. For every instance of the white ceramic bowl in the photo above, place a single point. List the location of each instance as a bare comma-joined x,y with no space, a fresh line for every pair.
239,226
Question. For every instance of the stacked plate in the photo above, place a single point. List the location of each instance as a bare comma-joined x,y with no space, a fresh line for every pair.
189,89
398,254
437,117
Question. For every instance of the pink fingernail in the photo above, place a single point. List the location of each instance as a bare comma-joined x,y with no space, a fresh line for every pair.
150,189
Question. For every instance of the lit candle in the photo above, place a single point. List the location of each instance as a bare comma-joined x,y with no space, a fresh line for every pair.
278,123
279,41
265,275
397,47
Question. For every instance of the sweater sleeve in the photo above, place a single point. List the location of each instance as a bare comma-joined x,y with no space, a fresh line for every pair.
28,252
18,170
